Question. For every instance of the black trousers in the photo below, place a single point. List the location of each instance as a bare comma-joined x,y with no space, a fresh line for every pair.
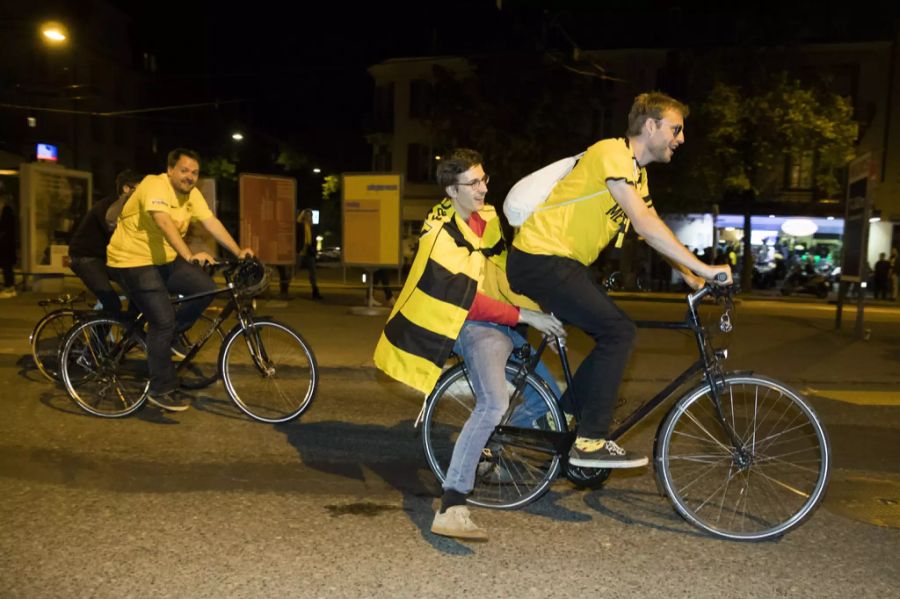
93,273
569,290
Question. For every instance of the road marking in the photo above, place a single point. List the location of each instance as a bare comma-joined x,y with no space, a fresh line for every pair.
858,397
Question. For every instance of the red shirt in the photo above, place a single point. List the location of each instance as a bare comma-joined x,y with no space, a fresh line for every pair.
486,308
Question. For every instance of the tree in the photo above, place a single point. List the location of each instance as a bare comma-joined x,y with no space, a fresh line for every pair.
747,132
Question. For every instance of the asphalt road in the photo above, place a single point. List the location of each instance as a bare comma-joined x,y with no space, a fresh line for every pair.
338,504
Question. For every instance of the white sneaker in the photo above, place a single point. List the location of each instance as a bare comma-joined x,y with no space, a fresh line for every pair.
456,522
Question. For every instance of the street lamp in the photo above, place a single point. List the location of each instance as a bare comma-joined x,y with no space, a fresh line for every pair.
54,33
237,136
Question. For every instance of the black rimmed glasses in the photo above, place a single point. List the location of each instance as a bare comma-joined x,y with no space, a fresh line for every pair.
475,182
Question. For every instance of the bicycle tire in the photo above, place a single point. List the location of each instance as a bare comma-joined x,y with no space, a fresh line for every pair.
104,371
203,369
780,483
46,339
508,476
287,386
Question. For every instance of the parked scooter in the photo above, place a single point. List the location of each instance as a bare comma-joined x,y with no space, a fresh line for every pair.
807,280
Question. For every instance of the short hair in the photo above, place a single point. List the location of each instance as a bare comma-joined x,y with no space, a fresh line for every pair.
652,105
458,161
177,153
127,177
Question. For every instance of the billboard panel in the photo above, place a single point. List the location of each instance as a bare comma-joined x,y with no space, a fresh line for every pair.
370,208
53,201
268,205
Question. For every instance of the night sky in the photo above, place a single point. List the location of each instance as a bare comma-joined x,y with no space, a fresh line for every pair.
300,66
298,69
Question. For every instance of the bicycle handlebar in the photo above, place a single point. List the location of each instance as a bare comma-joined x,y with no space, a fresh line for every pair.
717,290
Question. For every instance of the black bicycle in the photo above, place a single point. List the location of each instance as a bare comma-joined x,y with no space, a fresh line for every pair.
60,315
268,369
739,455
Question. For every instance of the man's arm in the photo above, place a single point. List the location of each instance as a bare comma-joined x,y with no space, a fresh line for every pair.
648,225
221,234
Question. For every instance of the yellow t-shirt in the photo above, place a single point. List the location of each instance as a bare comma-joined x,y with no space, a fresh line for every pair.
138,240
576,228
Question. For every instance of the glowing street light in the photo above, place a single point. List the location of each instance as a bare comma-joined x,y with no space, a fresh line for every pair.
54,33
237,136
317,170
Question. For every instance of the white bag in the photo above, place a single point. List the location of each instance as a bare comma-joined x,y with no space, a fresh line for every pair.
533,190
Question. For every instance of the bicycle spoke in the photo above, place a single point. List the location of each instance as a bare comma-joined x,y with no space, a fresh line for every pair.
763,488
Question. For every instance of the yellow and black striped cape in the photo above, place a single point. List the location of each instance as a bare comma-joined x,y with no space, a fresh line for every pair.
451,264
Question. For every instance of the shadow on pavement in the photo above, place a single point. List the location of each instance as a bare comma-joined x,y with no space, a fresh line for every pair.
394,454
636,507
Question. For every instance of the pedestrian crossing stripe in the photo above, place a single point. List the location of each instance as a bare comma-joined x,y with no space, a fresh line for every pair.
857,397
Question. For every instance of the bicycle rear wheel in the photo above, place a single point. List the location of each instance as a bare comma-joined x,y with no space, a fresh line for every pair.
269,371
203,369
762,489
46,340
104,368
515,469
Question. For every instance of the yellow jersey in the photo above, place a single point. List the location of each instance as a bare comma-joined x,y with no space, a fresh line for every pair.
581,217
138,240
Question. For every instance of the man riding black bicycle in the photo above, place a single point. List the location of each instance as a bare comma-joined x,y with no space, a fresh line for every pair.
595,204
151,261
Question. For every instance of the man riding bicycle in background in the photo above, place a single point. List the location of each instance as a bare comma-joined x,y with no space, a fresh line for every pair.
151,261
87,248
457,297
594,204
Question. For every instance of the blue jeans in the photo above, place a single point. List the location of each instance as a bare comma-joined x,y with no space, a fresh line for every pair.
149,288
485,348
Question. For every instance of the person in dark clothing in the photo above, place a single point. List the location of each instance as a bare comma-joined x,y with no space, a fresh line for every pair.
307,252
382,277
7,245
882,277
87,248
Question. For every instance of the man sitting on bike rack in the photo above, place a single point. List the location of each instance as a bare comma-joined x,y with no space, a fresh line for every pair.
87,248
151,261
457,297
549,262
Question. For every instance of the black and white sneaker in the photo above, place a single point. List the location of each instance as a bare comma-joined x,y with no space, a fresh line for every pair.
173,401
603,454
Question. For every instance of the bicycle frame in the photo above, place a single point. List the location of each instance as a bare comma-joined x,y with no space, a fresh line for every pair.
235,304
708,362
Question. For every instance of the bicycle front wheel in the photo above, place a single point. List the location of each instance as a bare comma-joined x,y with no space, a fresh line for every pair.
104,368
514,469
47,338
759,490
269,371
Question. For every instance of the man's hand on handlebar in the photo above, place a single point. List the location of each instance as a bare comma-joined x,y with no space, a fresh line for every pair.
202,258
720,275
246,253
